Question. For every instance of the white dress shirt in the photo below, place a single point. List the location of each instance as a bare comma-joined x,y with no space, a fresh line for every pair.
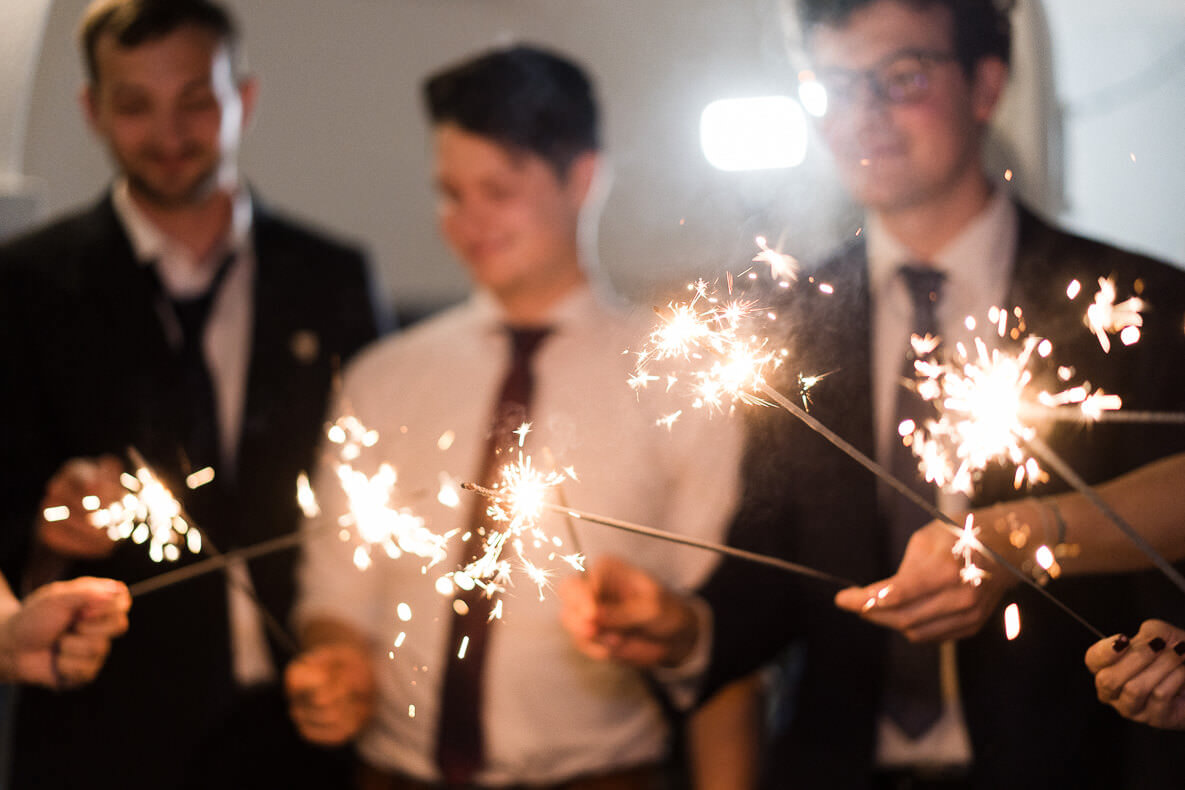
978,267
226,345
550,713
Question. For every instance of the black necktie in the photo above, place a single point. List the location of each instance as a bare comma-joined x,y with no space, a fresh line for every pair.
202,435
913,694
460,746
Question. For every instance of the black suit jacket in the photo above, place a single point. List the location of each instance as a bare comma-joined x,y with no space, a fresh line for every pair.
87,370
1030,704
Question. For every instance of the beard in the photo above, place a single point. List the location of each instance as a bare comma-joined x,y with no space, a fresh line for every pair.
172,194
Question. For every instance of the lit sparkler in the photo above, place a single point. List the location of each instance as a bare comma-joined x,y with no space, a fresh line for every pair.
372,517
728,361
521,498
981,402
500,499
705,333
981,398
147,513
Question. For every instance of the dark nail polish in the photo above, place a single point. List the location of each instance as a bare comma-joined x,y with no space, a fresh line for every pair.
1179,648
1157,644
1120,643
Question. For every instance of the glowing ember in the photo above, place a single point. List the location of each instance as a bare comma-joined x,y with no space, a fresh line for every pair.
965,547
781,265
305,497
449,493
58,513
1012,621
1104,317
200,478
808,383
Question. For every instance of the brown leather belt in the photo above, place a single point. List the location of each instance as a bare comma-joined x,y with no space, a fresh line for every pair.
644,777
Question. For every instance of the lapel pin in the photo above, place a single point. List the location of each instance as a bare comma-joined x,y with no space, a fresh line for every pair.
305,345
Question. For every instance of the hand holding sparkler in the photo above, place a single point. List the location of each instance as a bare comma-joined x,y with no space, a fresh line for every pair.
331,687
1143,677
929,598
617,611
60,634
81,487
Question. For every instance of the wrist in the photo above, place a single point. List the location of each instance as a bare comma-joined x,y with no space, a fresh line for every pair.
683,632
8,647
1028,534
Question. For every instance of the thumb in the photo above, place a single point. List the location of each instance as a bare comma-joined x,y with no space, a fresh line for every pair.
858,600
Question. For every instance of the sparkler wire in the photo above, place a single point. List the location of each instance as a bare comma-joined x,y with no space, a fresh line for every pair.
719,548
1065,414
562,497
878,470
218,562
1063,469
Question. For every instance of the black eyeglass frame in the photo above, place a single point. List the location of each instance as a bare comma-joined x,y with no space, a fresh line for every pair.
908,86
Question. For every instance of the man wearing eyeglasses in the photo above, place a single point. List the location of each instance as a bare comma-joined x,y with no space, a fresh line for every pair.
905,91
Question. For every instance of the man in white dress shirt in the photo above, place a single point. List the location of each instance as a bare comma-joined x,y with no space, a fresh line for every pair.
516,157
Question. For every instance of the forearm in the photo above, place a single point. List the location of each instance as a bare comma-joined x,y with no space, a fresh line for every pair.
1151,499
725,737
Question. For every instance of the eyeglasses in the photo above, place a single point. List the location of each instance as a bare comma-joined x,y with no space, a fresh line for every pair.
902,78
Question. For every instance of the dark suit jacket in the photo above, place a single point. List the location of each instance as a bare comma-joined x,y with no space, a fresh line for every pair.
1030,704
87,370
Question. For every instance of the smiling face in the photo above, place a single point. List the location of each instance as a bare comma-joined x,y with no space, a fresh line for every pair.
908,154
171,114
508,216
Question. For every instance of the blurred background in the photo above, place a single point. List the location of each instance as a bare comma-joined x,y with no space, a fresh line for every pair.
1092,134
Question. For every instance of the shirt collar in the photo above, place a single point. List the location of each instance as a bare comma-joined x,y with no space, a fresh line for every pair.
577,308
978,260
151,245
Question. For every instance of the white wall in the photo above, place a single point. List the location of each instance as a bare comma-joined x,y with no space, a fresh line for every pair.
1121,82
339,136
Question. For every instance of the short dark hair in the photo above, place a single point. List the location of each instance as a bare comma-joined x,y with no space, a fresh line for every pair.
133,22
522,97
982,28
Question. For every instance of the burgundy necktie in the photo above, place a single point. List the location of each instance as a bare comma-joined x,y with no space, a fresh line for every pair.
460,748
913,693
